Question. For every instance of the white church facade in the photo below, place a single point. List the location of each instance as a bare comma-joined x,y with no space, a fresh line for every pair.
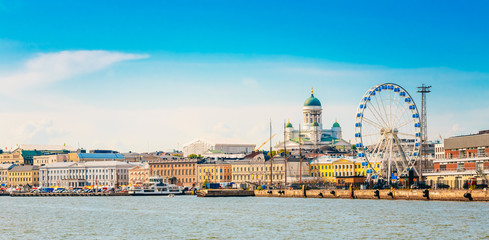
312,133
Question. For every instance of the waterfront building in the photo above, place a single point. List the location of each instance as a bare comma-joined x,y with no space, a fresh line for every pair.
214,172
48,159
90,157
28,152
147,157
332,168
27,175
14,157
181,172
312,133
4,168
139,174
111,174
466,160
209,148
254,170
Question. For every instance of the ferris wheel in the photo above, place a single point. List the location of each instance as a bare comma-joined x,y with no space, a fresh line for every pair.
388,132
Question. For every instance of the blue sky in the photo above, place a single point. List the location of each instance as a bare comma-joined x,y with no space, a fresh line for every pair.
154,75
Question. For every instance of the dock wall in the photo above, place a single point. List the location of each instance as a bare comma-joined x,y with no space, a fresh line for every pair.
438,195
225,193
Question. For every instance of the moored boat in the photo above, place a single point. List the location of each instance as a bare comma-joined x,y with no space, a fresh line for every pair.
155,186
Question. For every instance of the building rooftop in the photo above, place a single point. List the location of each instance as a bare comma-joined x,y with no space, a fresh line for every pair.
468,141
32,147
6,166
24,168
100,156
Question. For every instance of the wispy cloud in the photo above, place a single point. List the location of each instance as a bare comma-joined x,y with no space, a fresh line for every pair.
52,67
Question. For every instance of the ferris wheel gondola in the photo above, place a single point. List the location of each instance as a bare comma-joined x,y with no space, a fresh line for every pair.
388,132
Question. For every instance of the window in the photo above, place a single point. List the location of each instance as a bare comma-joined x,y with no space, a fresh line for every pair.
481,152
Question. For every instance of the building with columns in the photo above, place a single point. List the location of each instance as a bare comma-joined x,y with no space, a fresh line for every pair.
312,133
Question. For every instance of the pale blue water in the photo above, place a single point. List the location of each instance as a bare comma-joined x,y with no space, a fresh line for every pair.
189,217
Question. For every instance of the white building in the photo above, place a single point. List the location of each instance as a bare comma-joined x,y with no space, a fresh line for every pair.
79,174
209,148
440,150
312,133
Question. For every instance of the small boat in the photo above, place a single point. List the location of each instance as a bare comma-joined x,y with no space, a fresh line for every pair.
155,186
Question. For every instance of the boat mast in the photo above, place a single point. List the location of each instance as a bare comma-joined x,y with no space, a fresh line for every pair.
300,156
271,155
285,156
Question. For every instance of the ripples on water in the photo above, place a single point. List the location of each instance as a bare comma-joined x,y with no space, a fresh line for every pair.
189,217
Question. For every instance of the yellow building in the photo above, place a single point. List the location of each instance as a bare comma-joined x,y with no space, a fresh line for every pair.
213,173
27,175
327,168
13,157
258,173
4,168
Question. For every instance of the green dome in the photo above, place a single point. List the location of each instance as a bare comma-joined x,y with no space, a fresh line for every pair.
312,101
336,124
289,125
315,124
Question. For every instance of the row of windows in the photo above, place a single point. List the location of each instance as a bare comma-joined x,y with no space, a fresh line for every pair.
212,170
22,173
171,165
65,171
98,177
23,179
337,166
173,172
215,178
247,169
262,177
336,174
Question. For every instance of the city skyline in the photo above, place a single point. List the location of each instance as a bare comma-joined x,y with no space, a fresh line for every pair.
153,77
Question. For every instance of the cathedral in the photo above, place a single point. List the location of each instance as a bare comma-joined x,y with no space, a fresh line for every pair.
312,134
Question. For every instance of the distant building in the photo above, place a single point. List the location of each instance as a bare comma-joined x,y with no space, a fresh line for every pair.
27,175
210,148
4,168
14,157
329,169
312,133
89,157
48,159
214,172
24,154
139,174
80,174
148,157
466,159
254,170
181,172
103,151
439,151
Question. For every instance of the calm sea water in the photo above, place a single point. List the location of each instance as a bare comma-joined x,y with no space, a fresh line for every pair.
189,217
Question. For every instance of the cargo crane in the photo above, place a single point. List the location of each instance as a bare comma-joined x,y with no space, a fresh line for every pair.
263,144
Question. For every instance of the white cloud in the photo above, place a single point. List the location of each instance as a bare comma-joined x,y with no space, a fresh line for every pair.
52,67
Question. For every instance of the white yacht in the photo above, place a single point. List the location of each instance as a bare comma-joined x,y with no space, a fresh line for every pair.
155,186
